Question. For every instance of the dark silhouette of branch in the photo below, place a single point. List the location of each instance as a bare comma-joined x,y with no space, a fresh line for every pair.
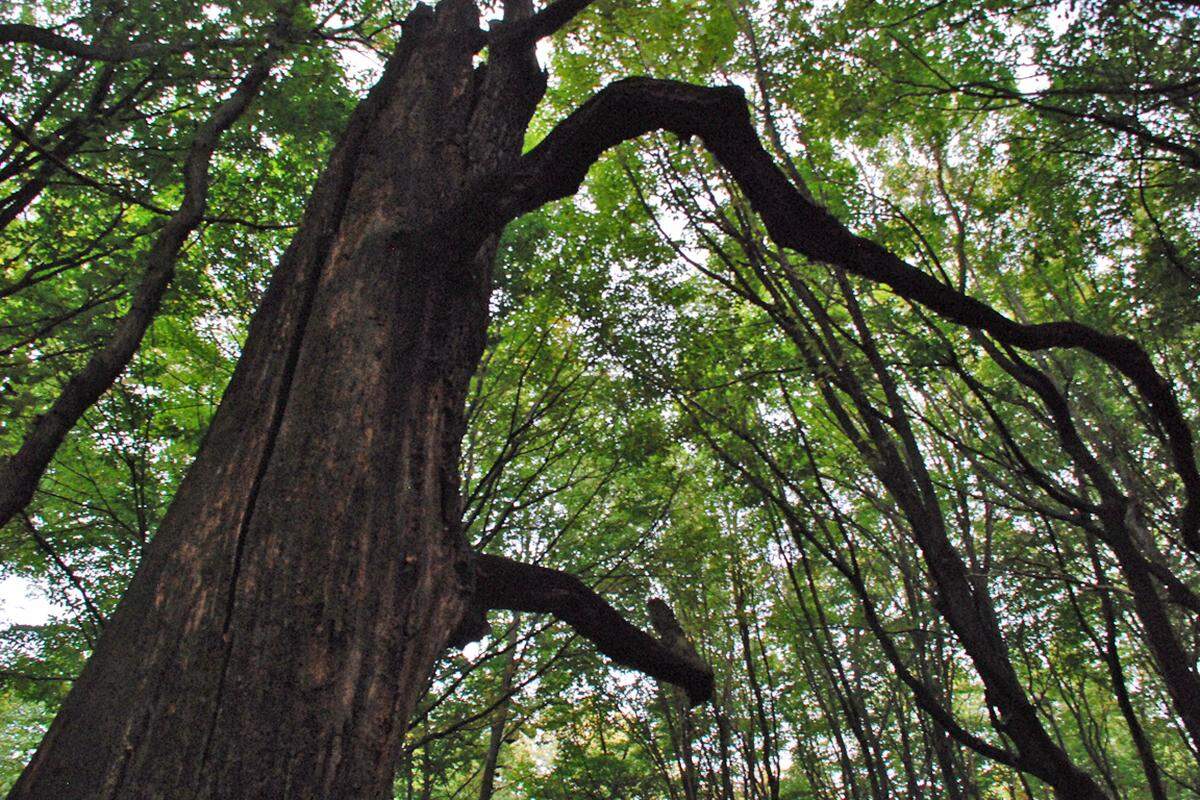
544,23
501,583
71,138
53,161
720,117
1121,123
49,551
12,675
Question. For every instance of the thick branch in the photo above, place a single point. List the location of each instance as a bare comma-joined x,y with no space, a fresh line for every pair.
501,583
720,117
544,23
20,473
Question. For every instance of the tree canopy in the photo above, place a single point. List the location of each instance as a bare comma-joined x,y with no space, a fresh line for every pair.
911,458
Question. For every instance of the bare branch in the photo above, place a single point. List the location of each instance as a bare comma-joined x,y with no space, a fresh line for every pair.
7,675
49,551
501,583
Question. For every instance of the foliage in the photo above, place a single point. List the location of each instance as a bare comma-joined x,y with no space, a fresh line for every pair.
668,405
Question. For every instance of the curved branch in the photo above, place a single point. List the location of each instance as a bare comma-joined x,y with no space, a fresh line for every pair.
720,117
501,583
20,473
544,23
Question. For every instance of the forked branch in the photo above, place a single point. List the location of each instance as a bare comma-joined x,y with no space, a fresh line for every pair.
501,583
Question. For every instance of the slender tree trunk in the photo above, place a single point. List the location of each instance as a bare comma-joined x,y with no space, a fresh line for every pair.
1111,656
759,715
723,737
487,785
911,772
274,639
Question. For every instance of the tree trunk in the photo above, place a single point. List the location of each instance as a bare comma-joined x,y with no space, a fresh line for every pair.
311,566
491,760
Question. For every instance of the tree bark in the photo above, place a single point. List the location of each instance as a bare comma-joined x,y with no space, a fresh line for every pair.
275,637
312,566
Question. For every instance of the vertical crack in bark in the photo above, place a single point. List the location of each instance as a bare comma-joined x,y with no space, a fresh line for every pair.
331,199
276,422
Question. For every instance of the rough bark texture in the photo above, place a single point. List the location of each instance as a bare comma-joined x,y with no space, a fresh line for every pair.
311,565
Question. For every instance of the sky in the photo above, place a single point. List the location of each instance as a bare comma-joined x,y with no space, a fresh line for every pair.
23,603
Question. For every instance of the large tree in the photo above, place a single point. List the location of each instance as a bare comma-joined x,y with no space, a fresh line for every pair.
312,566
